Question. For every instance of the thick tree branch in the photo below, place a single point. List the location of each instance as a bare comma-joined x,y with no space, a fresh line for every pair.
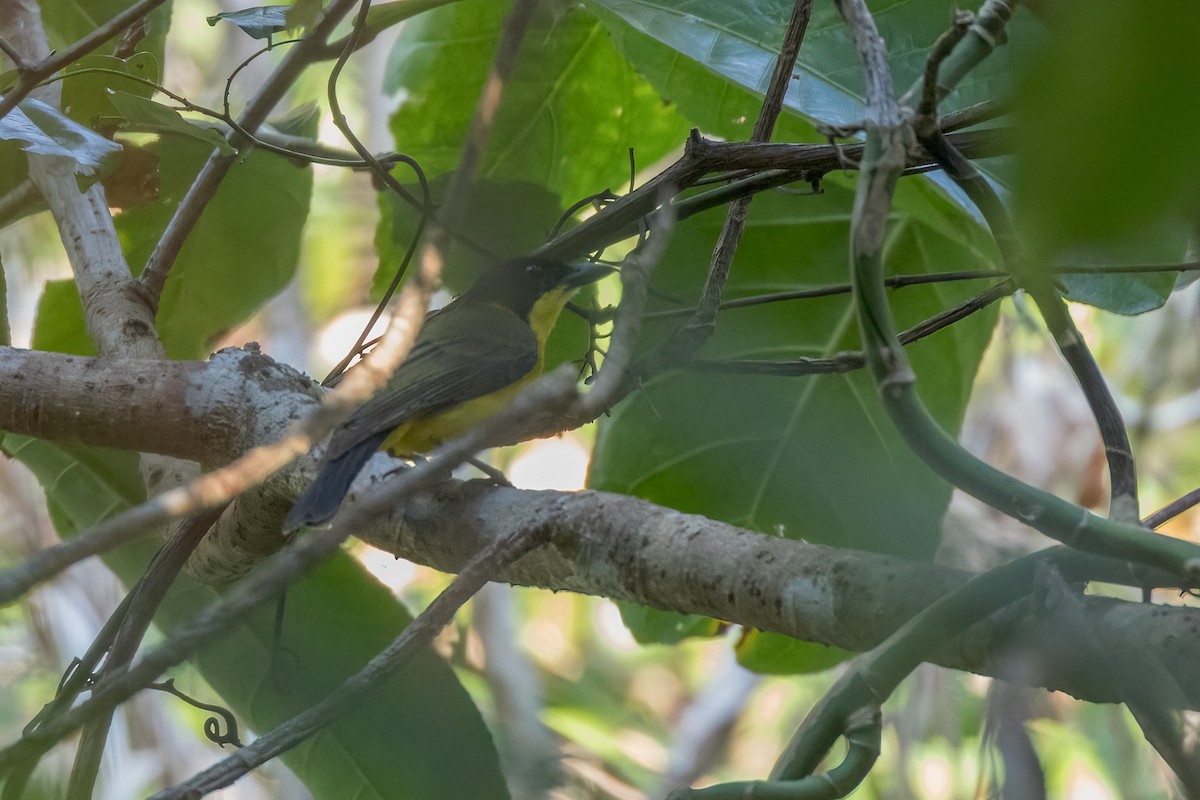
209,412
627,549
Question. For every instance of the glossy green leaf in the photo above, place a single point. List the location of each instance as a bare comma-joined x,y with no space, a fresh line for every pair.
672,43
88,81
570,112
242,252
1122,294
709,100
260,22
1108,128
146,115
1162,243
37,128
812,458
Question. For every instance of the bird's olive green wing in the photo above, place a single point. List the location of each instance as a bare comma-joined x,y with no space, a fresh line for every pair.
462,353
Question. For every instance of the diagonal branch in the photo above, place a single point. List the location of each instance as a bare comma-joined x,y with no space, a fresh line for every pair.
32,74
154,275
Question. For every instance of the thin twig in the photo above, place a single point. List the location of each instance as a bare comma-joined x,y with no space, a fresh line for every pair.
973,115
1172,509
14,56
892,282
942,48
779,164
735,218
850,361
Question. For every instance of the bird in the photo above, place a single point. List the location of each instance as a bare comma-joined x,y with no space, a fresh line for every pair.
469,360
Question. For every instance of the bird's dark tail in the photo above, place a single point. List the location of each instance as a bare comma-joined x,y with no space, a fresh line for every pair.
320,501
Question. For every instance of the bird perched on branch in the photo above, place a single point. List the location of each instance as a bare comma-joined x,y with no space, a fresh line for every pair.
470,359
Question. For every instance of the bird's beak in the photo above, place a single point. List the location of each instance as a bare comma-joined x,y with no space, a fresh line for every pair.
585,272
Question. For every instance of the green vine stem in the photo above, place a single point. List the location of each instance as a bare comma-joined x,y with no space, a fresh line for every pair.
983,35
1039,284
888,138
848,708
968,42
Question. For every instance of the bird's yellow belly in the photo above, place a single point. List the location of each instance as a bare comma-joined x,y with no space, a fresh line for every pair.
422,434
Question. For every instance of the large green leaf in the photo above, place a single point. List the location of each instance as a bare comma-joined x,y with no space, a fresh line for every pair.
673,43
812,458
60,325
714,60
1163,241
1122,294
711,101
242,252
1107,140
569,113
